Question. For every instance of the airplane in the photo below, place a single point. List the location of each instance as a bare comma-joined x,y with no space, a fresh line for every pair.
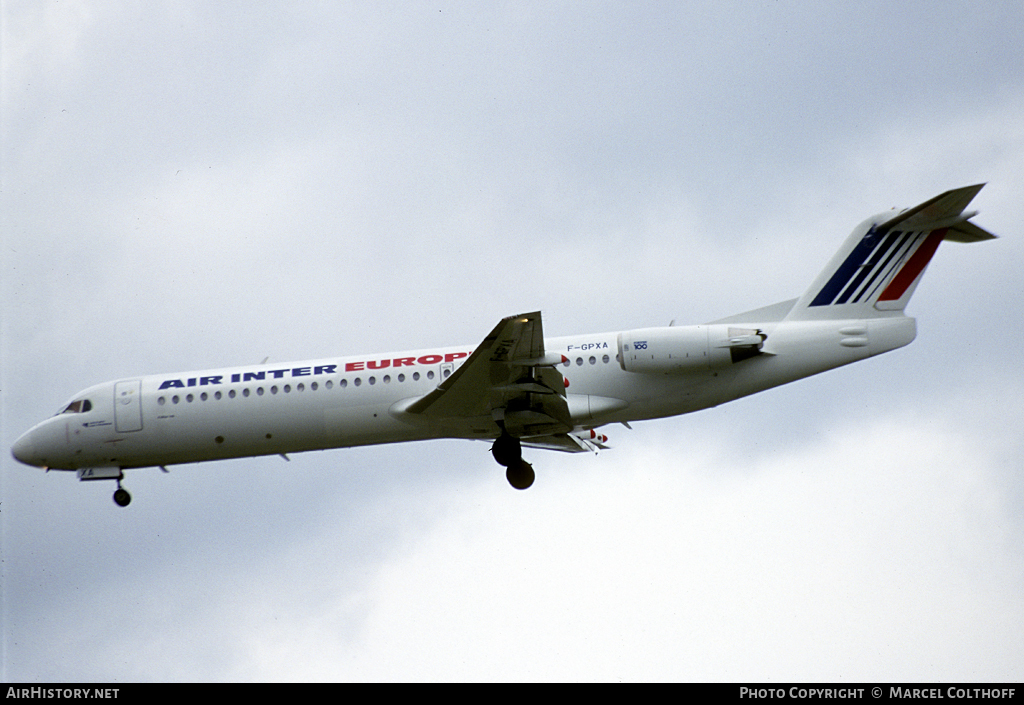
517,388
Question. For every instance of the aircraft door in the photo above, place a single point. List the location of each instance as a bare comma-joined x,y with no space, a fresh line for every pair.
128,406
446,371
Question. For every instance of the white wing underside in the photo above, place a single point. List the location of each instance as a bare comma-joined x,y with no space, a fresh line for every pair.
507,382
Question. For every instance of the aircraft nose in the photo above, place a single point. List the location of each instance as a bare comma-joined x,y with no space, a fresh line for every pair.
24,450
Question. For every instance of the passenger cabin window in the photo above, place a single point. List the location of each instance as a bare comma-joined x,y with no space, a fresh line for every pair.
79,406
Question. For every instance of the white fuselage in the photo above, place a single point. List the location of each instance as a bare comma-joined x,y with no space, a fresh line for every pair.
340,402
517,388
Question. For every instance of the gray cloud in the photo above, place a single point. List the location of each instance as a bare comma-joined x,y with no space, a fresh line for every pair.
184,188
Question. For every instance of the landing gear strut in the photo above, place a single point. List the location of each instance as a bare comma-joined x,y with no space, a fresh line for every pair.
121,496
508,451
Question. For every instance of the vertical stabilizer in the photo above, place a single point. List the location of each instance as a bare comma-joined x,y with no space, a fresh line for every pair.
878,268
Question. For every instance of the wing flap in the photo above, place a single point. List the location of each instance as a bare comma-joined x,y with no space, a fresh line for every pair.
562,442
567,443
508,378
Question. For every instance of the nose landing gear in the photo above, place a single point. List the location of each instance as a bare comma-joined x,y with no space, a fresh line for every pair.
121,496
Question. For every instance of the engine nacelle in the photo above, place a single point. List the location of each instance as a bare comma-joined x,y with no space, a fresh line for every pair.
687,349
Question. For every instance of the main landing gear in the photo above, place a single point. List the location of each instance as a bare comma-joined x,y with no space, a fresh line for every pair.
520,475
508,451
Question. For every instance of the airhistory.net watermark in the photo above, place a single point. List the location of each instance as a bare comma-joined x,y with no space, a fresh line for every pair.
62,693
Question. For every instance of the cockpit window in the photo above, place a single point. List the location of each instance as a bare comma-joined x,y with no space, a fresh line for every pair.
79,406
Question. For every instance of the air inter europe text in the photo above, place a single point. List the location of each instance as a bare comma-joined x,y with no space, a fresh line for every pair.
312,370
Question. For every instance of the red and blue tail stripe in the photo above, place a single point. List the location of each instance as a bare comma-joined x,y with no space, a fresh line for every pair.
914,266
879,259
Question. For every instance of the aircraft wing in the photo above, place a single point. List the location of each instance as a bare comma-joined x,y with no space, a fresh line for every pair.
509,381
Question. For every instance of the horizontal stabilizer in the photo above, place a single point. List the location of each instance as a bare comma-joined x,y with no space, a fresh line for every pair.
881,263
944,211
934,213
966,231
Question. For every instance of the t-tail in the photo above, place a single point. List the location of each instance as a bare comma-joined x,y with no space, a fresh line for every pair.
877,269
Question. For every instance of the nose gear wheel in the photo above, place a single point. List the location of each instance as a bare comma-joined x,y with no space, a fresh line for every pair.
121,496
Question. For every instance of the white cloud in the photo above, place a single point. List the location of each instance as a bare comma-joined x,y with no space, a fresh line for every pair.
879,553
883,551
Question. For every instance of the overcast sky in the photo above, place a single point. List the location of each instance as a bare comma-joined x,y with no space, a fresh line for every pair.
191,185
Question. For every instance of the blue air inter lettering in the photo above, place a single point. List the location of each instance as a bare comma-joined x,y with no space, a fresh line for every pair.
249,376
